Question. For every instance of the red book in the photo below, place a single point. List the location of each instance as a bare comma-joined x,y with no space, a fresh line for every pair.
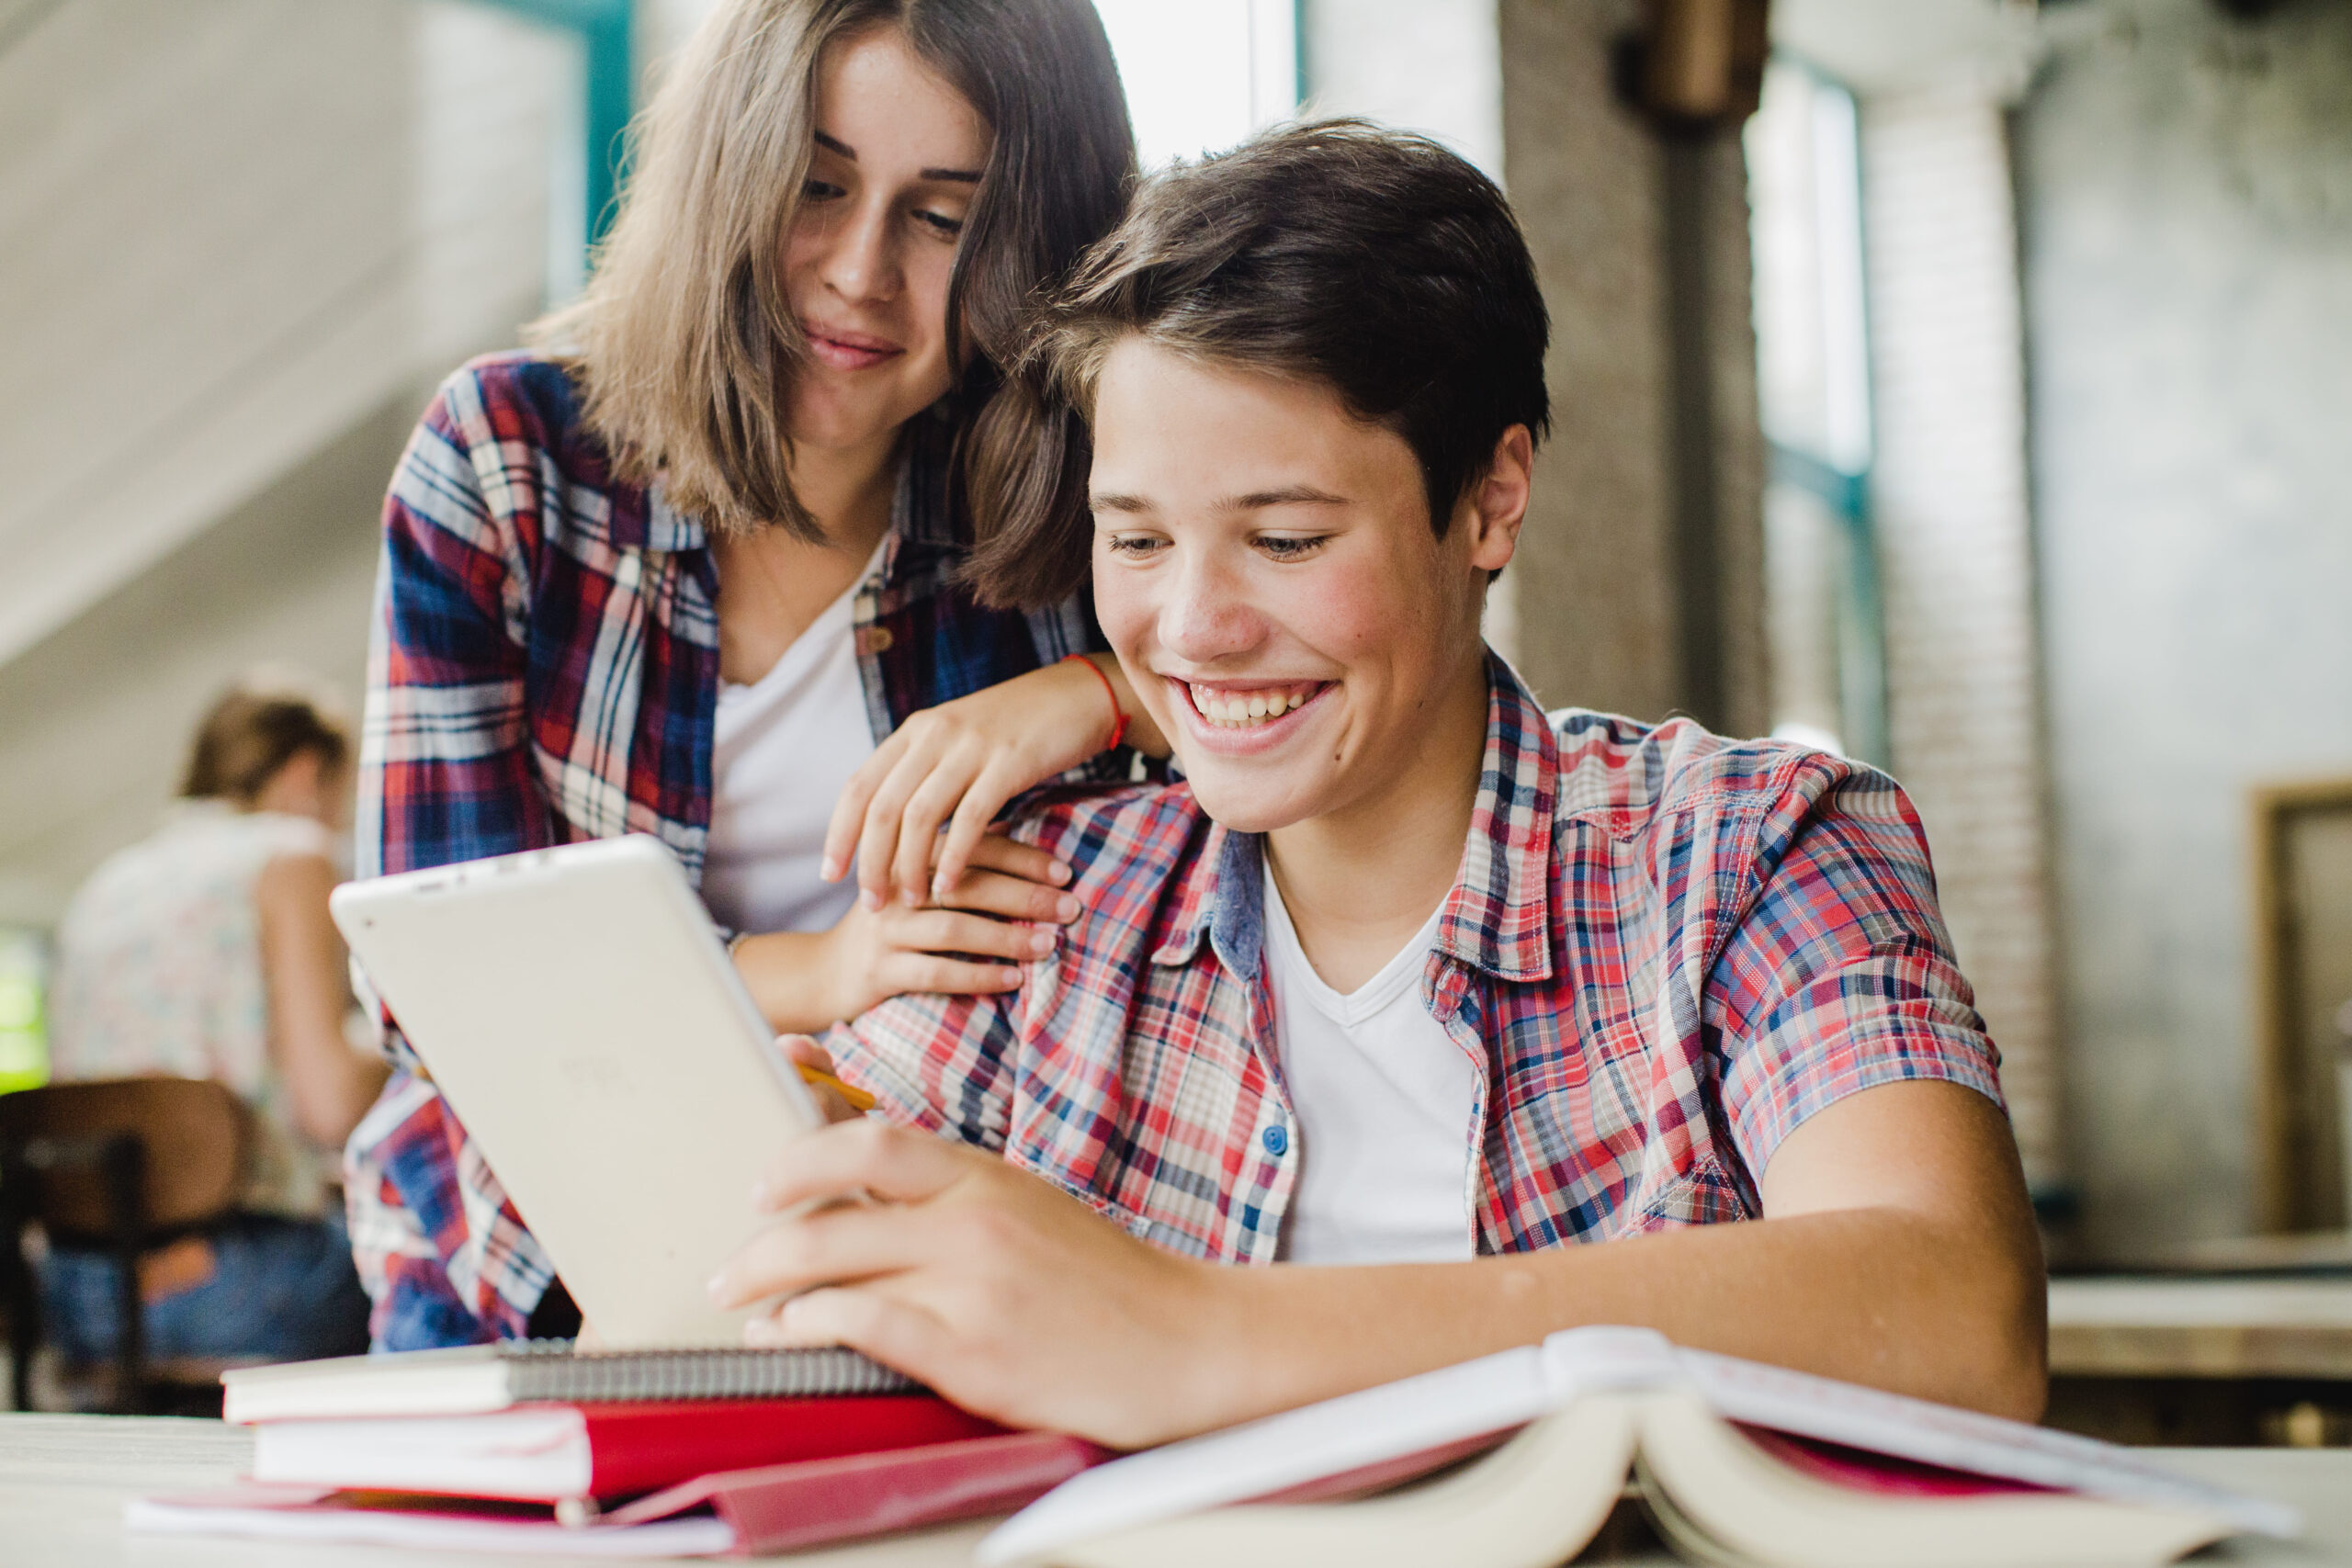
551,1453
749,1513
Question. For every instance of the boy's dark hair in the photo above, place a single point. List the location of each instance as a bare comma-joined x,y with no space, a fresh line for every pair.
1375,263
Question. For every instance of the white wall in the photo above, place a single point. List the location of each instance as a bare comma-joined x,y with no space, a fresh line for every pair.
2186,194
238,242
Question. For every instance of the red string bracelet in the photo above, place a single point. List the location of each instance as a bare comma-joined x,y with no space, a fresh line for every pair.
1118,713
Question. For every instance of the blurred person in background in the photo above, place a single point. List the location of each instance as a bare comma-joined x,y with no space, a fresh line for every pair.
205,951
701,566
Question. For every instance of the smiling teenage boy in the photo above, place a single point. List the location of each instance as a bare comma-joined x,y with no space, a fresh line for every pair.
1403,978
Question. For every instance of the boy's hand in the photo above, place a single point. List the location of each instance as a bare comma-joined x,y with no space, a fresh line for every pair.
1004,1293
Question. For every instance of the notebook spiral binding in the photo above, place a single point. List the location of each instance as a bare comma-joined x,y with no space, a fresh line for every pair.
553,1369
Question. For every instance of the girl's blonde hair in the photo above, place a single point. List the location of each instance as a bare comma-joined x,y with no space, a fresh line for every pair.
685,342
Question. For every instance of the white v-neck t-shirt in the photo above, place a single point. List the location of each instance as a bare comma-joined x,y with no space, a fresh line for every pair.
1383,1098
783,748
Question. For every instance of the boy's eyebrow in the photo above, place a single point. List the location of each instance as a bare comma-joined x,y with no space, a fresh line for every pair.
1287,495
960,176
1252,501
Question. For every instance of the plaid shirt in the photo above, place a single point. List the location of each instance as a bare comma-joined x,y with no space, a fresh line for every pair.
544,668
1663,952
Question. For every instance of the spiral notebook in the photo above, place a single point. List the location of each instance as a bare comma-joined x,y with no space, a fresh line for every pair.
476,1378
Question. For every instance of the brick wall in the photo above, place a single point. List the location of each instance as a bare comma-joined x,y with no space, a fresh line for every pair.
1950,499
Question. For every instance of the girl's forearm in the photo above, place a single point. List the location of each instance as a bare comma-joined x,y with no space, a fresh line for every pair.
786,975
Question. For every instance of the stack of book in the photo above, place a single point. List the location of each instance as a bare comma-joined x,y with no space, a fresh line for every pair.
534,1446
1513,1460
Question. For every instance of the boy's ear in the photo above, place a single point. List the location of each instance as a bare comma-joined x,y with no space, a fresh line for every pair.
1497,504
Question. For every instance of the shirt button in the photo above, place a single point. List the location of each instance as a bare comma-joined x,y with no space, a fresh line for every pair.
1277,1139
875,639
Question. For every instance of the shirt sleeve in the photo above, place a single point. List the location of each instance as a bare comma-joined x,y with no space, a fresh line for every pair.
939,1063
1840,974
444,776
445,769
443,1255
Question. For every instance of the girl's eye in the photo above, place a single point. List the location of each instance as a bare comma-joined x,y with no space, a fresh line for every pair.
1283,548
821,190
939,223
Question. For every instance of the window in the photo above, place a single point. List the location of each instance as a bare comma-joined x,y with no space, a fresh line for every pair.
1813,382
1203,76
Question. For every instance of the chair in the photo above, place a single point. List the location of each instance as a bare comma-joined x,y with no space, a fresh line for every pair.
121,1165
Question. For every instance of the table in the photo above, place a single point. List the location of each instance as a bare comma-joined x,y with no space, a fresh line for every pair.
63,1479
2154,1326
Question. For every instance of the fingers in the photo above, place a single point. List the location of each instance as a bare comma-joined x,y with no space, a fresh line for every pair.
805,1051
902,819
951,777
817,1071
982,798
877,841
849,811
867,1156
905,972
836,1245
954,931
896,1333
994,851
1015,898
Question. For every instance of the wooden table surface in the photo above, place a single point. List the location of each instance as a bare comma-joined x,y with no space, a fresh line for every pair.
2155,1326
64,1479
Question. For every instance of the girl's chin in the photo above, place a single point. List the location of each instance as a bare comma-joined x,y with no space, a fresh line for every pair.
844,423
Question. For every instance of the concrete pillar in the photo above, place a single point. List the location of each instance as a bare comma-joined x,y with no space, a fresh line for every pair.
1640,579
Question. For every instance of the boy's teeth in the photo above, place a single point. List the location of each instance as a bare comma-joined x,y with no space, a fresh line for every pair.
1240,712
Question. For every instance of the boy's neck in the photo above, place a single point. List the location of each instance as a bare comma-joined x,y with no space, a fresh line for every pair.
1359,883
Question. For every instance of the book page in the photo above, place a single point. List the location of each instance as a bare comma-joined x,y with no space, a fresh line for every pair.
1281,1454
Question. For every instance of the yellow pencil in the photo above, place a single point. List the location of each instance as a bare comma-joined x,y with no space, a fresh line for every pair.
859,1101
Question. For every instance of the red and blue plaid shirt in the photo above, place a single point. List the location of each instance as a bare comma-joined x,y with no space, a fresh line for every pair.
1663,952
544,668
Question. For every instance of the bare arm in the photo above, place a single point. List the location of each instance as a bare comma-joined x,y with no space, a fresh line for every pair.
329,1086
1898,1250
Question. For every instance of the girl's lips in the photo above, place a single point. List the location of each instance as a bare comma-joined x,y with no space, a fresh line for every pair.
849,351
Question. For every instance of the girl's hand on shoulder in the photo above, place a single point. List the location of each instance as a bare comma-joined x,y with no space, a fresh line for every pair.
1006,911
956,766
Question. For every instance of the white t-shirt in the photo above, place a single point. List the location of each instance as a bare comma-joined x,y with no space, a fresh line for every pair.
1384,1099
783,747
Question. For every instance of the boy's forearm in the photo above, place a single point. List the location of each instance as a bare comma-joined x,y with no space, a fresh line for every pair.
1879,1296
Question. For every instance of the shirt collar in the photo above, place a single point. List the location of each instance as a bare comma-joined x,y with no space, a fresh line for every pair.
1497,919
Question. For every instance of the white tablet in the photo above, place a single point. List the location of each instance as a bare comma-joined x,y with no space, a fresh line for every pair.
580,1013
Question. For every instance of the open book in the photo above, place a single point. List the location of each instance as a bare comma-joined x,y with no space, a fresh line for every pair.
1737,1462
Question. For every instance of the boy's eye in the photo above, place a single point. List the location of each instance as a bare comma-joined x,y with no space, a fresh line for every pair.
1289,549
1133,546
